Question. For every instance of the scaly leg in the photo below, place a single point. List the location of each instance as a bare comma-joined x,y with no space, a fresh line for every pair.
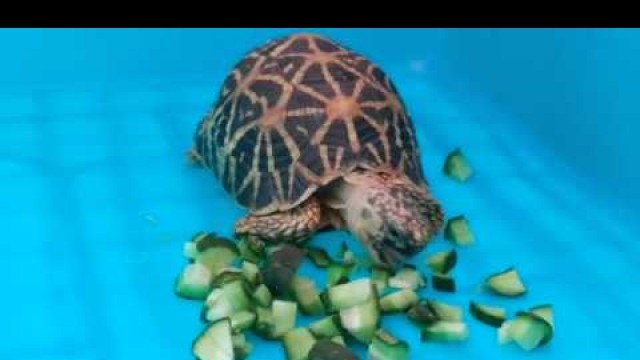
292,225
193,158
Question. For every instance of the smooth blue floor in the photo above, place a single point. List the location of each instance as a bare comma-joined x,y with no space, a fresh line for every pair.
97,202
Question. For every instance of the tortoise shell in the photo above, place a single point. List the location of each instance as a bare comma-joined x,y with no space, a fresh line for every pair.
299,112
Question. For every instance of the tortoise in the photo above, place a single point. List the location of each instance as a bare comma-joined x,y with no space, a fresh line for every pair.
310,136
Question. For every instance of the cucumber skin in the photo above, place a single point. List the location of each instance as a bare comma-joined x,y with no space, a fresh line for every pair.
478,312
443,283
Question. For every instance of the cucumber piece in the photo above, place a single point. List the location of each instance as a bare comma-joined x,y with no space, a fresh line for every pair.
319,257
444,311
284,316
241,347
194,282
442,262
262,296
264,325
361,321
326,327
346,255
407,278
214,252
304,290
384,346
528,330
227,275
215,342
506,283
338,273
422,314
251,272
490,315
282,265
189,250
445,331
458,231
350,294
338,339
544,311
443,283
248,253
298,343
325,349
398,301
242,320
380,277
225,301
456,166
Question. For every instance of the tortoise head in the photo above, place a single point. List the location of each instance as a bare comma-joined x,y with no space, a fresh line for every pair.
391,216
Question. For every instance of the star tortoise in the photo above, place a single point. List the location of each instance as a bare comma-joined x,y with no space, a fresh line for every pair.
310,136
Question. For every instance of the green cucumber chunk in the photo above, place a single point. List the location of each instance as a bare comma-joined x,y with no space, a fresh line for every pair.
251,272
456,166
407,278
326,327
506,283
361,321
458,231
398,301
194,282
264,325
298,343
444,283
528,330
225,301
262,296
422,314
444,311
215,342
326,349
544,311
445,331
349,294
384,346
307,296
338,273
241,347
380,277
490,315
284,316
442,262
242,320
227,275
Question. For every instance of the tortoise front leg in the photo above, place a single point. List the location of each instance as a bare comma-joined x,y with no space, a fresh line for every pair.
286,226
193,158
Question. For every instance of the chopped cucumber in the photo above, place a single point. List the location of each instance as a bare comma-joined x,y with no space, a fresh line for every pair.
248,253
284,316
189,250
241,347
262,296
242,320
445,311
265,324
338,273
544,311
528,330
214,252
442,262
326,327
251,272
445,331
226,300
318,257
422,314
490,315
304,290
443,283
215,342
380,277
338,339
350,294
194,282
384,346
227,275
456,166
325,349
407,278
506,283
458,231
281,267
298,343
361,321
398,301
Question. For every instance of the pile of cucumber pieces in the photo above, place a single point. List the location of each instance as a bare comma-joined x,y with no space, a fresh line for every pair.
247,286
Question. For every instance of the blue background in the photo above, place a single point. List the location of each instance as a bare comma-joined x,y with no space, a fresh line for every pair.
97,200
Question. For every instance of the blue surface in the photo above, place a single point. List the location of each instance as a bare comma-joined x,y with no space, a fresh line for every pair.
98,201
